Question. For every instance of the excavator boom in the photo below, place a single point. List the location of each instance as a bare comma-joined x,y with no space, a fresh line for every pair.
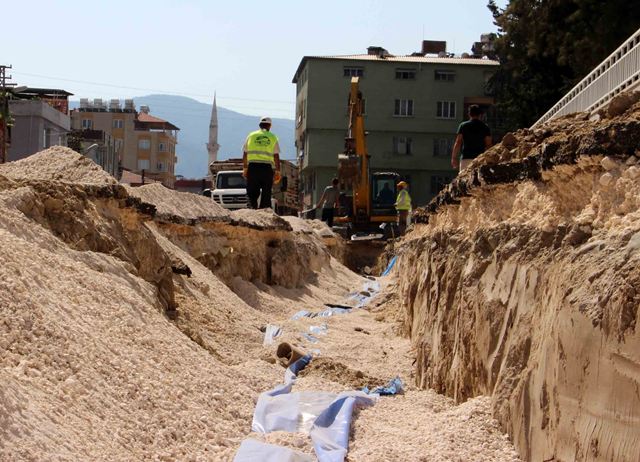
353,164
365,214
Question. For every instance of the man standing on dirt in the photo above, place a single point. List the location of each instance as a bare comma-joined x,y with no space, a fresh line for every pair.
329,202
403,206
261,164
473,138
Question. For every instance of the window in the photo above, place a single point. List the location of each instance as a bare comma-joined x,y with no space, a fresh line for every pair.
442,147
301,114
87,124
438,182
446,110
230,180
118,123
161,166
143,164
402,145
46,138
403,107
119,143
144,144
384,191
445,76
406,74
162,147
353,71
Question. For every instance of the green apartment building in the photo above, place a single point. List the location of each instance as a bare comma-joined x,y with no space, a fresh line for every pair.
413,105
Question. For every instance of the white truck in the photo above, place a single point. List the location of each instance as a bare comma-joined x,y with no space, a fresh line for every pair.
230,190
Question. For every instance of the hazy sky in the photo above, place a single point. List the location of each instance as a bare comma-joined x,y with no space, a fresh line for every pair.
247,51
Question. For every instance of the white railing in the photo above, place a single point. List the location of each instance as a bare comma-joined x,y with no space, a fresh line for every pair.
619,72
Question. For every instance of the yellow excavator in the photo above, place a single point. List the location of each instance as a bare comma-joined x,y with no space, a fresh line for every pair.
370,212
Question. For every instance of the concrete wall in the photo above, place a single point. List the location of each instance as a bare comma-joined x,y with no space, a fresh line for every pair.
321,115
32,118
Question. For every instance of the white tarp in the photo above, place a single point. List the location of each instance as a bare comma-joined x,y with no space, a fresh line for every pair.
326,417
254,451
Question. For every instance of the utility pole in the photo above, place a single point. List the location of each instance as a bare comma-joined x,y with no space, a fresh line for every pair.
5,87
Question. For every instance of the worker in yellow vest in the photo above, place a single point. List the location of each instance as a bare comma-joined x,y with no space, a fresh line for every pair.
261,164
403,206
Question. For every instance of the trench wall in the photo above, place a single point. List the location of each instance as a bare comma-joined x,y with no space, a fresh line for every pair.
528,292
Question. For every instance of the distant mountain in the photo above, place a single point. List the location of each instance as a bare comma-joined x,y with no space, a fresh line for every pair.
192,117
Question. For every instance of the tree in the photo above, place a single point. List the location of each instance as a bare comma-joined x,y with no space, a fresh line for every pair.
547,46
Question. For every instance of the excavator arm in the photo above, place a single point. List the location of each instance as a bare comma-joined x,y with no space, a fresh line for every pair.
353,164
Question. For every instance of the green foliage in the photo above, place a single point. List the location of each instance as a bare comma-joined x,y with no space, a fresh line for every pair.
547,46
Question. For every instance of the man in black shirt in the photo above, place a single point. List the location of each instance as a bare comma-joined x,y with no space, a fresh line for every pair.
473,138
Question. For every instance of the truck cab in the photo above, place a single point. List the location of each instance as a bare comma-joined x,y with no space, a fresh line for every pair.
230,190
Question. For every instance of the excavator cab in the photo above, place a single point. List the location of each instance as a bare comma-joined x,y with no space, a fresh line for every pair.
383,193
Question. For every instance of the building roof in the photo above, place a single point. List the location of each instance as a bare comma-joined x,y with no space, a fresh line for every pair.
149,121
144,117
134,179
401,59
46,92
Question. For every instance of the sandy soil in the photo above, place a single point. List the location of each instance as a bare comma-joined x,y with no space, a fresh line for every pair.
57,164
93,369
522,283
362,348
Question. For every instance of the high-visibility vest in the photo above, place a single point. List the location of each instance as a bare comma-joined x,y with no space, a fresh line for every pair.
260,147
403,201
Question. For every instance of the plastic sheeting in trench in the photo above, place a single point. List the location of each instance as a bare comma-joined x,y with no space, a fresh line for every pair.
326,417
390,265
393,387
369,289
253,450
321,314
271,332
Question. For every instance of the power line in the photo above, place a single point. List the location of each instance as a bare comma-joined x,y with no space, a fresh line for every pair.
205,112
289,102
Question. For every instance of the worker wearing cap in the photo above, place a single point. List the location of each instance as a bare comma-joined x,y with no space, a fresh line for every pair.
261,164
403,206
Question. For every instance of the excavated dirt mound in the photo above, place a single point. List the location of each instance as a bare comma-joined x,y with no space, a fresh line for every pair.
131,326
340,373
93,368
178,206
57,163
526,154
524,286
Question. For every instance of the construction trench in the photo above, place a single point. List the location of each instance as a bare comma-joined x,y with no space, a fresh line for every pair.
143,323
